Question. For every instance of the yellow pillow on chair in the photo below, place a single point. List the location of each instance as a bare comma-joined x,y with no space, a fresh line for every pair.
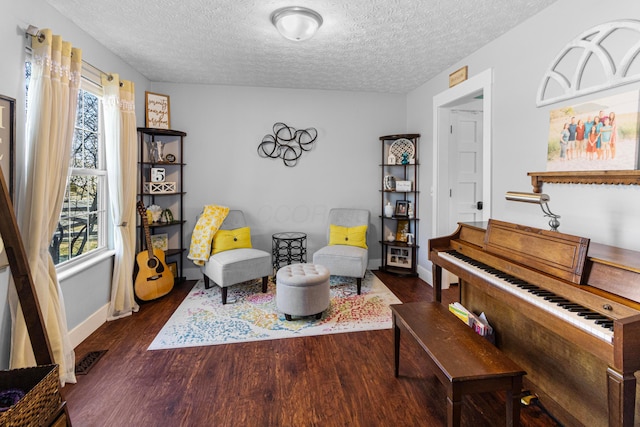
225,240
352,236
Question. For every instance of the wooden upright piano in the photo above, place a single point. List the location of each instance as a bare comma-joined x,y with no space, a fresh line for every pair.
565,309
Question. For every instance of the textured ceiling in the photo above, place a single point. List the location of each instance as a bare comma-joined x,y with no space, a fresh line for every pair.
364,45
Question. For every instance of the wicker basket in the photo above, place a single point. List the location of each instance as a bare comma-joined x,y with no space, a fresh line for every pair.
42,395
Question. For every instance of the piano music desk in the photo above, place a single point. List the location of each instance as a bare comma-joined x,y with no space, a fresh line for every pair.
466,362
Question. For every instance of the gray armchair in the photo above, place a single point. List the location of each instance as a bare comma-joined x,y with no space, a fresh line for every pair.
235,266
344,259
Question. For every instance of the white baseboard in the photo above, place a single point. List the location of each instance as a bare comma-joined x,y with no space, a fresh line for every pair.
89,326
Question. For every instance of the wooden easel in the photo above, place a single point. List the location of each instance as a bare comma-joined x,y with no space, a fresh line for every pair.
24,283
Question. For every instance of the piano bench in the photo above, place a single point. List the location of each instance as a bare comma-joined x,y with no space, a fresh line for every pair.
466,362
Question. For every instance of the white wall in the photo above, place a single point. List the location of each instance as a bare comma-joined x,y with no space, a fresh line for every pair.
225,125
606,214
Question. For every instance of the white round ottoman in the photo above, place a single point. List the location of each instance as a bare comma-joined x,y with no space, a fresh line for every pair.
302,290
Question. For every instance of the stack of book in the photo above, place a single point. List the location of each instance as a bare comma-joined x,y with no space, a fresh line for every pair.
478,323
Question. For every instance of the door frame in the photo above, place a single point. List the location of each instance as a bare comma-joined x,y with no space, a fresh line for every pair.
442,104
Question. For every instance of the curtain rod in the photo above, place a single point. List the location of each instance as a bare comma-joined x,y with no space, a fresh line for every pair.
94,72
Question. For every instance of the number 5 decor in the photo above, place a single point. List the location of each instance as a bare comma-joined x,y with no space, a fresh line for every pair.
287,143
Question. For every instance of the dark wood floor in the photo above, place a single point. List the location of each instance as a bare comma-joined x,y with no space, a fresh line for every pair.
329,380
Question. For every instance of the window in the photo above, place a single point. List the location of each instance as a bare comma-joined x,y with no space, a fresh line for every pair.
82,227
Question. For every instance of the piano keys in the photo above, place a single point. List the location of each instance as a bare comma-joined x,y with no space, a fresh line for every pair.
576,333
584,318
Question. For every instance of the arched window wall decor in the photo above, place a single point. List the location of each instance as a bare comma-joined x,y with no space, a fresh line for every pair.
601,58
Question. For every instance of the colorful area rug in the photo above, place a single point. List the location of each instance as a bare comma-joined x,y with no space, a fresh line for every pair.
250,315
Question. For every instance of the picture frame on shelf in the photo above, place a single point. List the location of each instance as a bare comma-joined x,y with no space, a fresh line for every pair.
404,186
399,257
173,268
160,241
402,229
158,110
402,208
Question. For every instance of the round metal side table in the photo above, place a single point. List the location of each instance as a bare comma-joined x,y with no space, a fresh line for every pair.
288,248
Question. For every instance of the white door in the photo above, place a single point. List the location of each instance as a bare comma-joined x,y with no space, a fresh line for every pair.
465,167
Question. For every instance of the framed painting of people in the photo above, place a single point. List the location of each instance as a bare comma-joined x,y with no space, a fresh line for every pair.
597,134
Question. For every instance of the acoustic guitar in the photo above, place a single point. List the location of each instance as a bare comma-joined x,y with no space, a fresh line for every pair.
153,279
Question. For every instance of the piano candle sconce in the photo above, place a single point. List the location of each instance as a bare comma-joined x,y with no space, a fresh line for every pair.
539,199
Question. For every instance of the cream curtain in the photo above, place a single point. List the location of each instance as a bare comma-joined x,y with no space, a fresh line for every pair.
120,143
53,92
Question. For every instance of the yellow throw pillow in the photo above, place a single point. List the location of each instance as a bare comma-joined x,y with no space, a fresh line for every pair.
224,240
352,236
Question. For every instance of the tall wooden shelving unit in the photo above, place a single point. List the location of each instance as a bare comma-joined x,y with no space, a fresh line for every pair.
399,257
155,193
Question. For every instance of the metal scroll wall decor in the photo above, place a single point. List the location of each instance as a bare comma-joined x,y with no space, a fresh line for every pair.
287,143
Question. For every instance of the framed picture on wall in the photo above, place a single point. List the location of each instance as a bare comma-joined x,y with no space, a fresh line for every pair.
598,134
158,111
7,153
7,138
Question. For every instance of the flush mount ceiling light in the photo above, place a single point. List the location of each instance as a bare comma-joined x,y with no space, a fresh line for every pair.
296,23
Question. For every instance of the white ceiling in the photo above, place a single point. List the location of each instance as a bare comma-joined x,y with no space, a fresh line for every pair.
364,45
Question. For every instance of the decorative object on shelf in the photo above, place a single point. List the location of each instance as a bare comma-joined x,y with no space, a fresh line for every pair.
160,241
402,208
405,158
152,151
158,174
170,158
391,160
287,143
410,211
388,210
403,186
410,238
391,237
155,151
389,183
158,112
160,151
539,199
156,212
166,216
402,146
402,230
296,23
166,187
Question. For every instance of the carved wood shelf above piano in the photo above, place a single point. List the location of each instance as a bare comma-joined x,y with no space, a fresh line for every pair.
625,177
